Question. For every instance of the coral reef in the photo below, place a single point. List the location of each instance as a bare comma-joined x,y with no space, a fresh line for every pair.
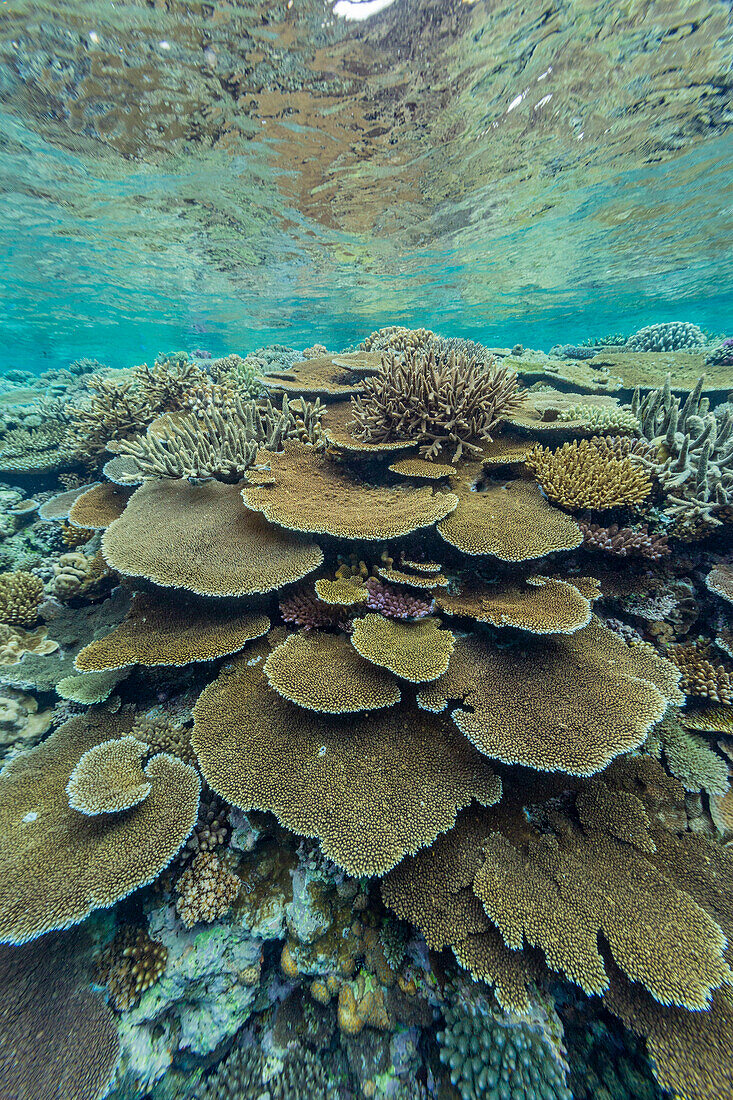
590,473
129,965
439,401
206,890
625,541
20,595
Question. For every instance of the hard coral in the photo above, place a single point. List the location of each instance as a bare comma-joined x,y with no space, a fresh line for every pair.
394,603
700,675
109,777
668,336
625,541
20,595
589,473
438,401
206,890
414,651
129,965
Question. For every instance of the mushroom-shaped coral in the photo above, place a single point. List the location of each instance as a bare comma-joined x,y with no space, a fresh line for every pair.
163,630
109,777
57,864
563,702
99,506
20,595
510,520
314,495
590,473
323,672
201,538
416,651
540,605
372,789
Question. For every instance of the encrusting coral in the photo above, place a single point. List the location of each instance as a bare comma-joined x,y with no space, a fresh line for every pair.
589,473
438,401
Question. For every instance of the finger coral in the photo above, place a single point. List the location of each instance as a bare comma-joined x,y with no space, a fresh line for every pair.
313,495
416,651
384,784
625,541
589,474
20,595
57,864
393,602
439,401
599,697
206,890
201,538
163,630
702,676
323,672
129,965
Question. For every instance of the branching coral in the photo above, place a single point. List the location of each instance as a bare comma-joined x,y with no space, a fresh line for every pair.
206,890
221,441
590,473
129,965
701,675
20,595
693,453
393,602
438,401
625,542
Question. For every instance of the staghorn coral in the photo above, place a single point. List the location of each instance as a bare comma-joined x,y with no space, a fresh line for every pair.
221,441
625,542
312,495
129,965
393,603
160,630
588,474
206,890
540,605
385,785
109,777
58,865
414,651
667,336
700,676
693,455
99,506
509,520
438,401
323,672
115,409
201,538
598,697
20,595
493,1052
58,1038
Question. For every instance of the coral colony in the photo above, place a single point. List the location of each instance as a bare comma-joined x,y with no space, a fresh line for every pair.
367,723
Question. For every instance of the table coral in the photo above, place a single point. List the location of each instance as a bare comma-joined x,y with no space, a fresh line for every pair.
58,864
201,538
415,651
387,784
99,506
313,495
438,401
109,777
540,605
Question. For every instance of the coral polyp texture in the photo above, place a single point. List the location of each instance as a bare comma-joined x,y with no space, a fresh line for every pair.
416,651
98,507
109,777
313,495
201,538
540,605
20,595
443,402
